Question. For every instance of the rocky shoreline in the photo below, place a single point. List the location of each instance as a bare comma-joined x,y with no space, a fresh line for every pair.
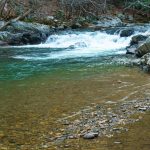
99,120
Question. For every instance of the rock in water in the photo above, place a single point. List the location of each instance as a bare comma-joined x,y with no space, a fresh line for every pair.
137,38
136,42
90,135
143,49
126,32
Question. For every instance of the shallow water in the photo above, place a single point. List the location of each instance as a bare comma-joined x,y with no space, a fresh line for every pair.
29,108
36,92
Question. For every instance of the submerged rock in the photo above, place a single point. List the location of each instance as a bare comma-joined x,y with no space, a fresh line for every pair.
90,135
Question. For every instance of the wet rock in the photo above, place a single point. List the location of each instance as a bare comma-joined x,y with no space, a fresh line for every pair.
26,38
126,32
143,108
104,123
137,38
131,49
117,142
90,135
19,33
144,48
110,102
72,137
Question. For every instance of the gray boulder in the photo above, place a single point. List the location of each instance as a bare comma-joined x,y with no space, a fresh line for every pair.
136,42
26,38
143,49
21,33
90,135
19,26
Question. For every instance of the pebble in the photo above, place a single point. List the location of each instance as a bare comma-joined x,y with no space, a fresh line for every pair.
117,142
66,146
90,135
110,102
65,122
143,108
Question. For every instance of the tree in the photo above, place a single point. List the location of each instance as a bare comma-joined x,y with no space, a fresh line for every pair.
83,7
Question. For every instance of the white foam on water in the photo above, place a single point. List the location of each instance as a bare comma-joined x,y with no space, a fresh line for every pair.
81,44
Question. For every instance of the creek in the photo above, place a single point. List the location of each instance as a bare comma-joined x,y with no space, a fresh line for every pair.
73,69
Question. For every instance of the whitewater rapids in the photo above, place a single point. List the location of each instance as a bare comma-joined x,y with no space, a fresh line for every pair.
75,44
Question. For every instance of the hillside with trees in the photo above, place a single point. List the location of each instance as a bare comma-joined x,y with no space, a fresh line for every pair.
69,9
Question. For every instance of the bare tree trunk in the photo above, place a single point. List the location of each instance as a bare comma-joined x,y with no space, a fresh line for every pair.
3,7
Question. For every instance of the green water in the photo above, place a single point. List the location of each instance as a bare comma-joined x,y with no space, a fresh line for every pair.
34,94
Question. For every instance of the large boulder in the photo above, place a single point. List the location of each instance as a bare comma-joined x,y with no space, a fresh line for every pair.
21,38
136,42
27,38
22,33
20,26
126,32
143,49
145,62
